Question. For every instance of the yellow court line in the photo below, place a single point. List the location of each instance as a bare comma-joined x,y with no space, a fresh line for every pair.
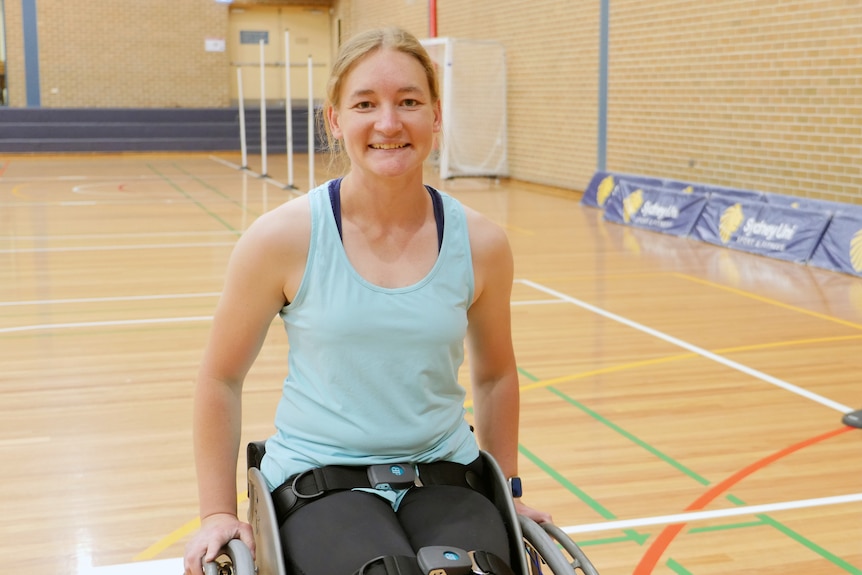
770,301
16,191
177,535
681,356
153,550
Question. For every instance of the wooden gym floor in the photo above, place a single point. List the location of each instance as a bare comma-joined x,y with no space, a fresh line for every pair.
682,403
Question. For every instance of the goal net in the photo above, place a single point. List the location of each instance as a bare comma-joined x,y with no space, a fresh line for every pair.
473,92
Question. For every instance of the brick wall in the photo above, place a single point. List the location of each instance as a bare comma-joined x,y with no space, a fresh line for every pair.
762,94
765,95
101,53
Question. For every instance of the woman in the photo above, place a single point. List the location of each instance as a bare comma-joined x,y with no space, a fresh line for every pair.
379,280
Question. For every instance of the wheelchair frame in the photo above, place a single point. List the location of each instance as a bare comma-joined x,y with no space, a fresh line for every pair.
541,543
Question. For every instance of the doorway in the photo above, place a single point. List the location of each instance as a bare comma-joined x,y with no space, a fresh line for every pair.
309,35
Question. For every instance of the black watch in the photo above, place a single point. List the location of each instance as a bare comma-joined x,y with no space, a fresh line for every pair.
515,486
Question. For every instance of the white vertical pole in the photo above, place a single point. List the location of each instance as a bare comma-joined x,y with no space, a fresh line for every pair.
288,109
244,201
262,114
310,124
242,143
445,142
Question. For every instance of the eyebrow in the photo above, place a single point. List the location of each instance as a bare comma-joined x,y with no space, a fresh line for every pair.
368,91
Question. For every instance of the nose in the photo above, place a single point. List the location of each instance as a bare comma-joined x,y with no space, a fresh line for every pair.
388,120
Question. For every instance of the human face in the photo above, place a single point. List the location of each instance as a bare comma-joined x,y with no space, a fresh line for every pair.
386,119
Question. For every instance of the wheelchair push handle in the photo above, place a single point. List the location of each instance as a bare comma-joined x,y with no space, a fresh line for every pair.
240,561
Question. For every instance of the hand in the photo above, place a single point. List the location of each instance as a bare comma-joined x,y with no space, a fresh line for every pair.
534,514
215,532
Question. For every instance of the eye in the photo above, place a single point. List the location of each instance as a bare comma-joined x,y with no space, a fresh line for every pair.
410,103
363,105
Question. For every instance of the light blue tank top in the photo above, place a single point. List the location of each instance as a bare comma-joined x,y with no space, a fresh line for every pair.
373,372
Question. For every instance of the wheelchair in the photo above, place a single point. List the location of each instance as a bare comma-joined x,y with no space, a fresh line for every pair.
538,548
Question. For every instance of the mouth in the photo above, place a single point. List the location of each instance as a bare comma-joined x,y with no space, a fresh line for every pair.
388,146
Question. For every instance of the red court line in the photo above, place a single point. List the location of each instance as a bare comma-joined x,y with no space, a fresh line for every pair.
669,533
3,168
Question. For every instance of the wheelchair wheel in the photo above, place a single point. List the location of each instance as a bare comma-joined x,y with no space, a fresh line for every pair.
234,560
542,546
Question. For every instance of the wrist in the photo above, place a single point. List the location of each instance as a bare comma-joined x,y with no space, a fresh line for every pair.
218,515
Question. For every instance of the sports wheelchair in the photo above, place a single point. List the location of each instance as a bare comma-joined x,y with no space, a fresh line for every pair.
538,548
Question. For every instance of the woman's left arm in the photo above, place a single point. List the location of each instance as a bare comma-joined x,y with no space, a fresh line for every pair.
491,355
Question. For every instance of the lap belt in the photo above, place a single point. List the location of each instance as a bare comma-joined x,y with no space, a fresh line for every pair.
309,485
438,560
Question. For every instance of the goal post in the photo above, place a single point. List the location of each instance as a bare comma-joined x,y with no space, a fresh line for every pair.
472,77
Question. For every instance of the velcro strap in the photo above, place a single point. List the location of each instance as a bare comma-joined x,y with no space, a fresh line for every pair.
391,565
490,564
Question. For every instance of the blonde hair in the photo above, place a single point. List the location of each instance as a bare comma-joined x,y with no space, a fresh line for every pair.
354,50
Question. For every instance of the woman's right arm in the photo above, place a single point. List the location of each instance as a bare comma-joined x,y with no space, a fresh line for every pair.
264,270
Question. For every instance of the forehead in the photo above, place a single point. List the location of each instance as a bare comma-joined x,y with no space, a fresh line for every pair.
385,69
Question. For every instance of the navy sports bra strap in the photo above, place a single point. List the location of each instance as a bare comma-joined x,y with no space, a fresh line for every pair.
436,201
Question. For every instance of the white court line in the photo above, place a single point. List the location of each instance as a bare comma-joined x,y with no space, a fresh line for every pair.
42,327
538,302
174,566
118,322
715,514
161,567
23,441
109,299
267,179
693,348
117,235
116,248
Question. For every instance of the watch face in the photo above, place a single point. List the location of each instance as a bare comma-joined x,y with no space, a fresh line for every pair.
515,486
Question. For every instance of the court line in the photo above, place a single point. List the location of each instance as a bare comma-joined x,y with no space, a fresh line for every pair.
692,516
116,248
769,301
109,299
250,172
693,348
117,235
48,326
669,533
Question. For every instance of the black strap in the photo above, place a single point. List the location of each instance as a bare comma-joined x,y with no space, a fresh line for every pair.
436,202
490,564
307,486
391,565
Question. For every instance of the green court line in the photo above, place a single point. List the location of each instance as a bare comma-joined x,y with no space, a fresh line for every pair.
190,198
215,190
727,527
834,559
667,459
763,519
677,568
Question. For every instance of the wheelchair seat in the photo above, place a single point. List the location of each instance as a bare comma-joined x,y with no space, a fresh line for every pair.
535,546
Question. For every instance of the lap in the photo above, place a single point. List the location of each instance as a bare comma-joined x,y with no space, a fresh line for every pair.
339,533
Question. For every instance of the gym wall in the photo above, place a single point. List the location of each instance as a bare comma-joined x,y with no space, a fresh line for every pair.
763,95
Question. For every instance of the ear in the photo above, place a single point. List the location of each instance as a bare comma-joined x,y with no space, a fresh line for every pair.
332,118
438,117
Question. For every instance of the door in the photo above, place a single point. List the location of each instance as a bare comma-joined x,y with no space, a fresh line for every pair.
309,35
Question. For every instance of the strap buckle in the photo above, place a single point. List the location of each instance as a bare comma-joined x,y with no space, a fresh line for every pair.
391,476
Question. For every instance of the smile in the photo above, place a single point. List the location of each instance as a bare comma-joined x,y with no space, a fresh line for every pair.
387,146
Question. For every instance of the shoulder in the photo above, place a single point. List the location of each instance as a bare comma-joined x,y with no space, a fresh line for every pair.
493,266
487,238
282,226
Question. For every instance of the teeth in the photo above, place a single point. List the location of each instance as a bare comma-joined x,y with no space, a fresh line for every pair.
387,146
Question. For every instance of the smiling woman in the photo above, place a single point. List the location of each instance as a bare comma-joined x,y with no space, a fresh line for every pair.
391,277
